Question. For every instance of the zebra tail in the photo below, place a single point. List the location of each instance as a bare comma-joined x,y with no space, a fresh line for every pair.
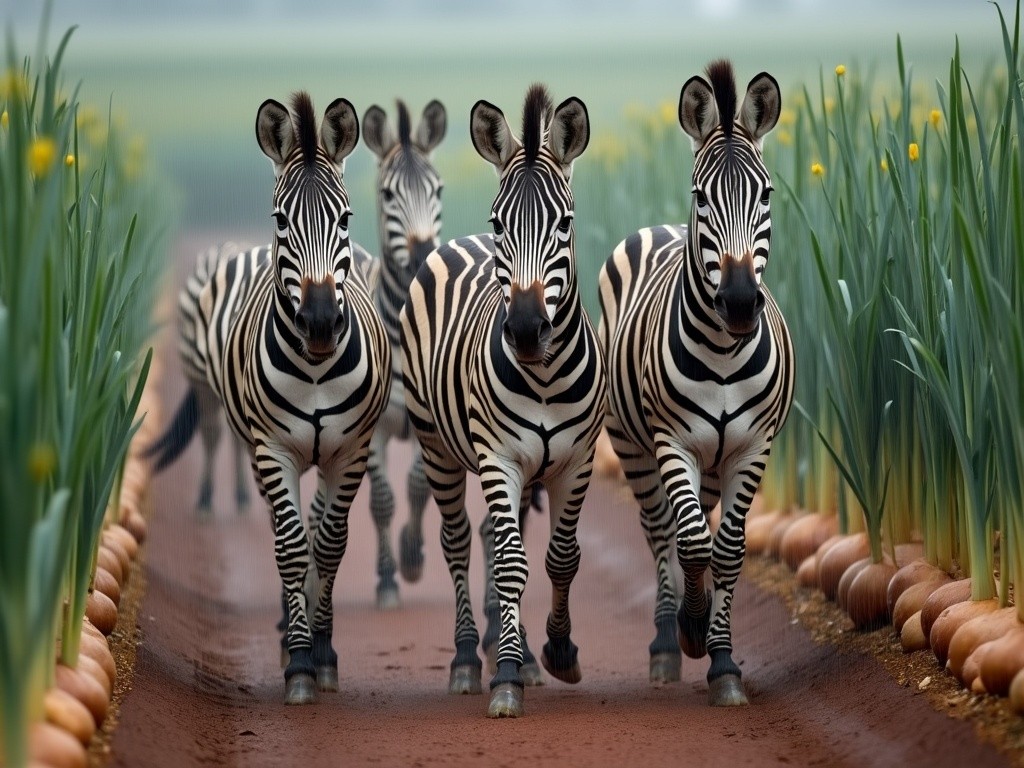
178,435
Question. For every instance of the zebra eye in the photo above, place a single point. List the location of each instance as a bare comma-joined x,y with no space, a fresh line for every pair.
440,189
281,220
343,221
498,229
565,224
388,195
766,195
699,199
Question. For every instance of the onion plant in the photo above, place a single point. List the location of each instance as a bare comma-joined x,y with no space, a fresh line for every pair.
76,291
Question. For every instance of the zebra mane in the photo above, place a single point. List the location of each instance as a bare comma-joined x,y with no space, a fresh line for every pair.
723,85
404,124
305,126
537,112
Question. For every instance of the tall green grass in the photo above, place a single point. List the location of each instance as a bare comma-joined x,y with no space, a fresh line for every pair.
79,274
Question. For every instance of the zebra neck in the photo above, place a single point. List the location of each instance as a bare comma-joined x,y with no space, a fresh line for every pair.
392,291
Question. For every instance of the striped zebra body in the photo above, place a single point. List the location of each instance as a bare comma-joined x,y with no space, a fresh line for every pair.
701,369
504,378
299,358
409,219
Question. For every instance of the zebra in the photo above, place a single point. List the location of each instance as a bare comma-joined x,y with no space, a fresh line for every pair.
298,356
504,377
409,226
701,370
202,405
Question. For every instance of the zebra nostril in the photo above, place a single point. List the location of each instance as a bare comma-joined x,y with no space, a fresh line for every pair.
506,333
759,302
339,324
302,323
544,332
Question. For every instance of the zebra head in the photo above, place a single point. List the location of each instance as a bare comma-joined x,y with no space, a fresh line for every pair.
312,253
408,186
730,221
532,214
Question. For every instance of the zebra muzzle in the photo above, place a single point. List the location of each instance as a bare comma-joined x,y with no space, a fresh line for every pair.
319,320
739,300
527,330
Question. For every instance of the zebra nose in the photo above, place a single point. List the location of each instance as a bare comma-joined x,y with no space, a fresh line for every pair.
527,329
319,320
739,300
418,251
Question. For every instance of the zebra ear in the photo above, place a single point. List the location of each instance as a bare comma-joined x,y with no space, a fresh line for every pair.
275,132
698,113
761,106
378,134
339,132
432,127
491,134
570,133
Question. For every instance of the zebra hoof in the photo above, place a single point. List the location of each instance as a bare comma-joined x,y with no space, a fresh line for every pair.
464,679
727,691
327,679
571,674
506,701
410,560
387,597
531,674
665,667
300,689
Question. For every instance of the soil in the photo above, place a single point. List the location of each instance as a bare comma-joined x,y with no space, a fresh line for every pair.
200,682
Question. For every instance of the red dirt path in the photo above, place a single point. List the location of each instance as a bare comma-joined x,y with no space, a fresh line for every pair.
207,687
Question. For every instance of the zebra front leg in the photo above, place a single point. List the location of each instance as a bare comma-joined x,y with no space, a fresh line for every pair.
382,508
681,478
530,670
503,490
448,485
641,471
562,562
279,473
330,540
725,687
411,538
209,430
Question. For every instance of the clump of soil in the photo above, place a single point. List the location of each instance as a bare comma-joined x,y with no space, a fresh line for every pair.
993,720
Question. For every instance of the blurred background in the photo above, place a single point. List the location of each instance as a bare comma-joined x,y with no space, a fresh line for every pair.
183,80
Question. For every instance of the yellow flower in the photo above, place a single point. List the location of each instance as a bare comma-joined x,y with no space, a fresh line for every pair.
884,165
935,117
42,459
41,154
840,70
830,105
913,151
13,84
787,117
5,119
69,160
784,137
667,112
818,169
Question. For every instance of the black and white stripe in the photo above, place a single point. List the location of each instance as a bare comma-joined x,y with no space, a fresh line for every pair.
300,360
504,377
701,370
409,218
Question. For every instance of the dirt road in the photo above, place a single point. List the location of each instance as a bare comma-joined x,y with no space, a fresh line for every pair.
208,690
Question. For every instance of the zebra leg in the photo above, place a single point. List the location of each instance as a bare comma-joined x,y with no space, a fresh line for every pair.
242,497
291,549
656,518
503,491
209,429
329,543
681,477
448,485
382,507
411,538
724,685
562,563
530,671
